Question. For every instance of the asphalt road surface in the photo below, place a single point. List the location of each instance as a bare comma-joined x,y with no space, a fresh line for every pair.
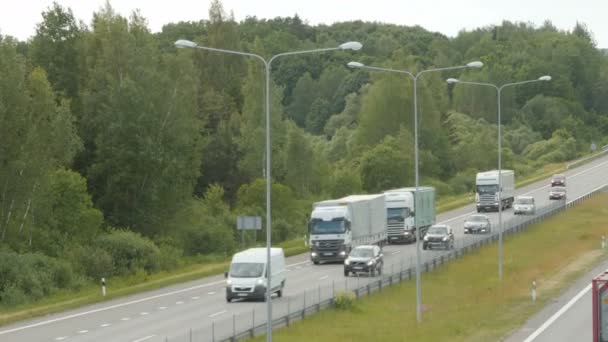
168,314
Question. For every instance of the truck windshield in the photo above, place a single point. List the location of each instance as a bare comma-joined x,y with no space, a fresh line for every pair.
327,227
397,213
487,189
246,270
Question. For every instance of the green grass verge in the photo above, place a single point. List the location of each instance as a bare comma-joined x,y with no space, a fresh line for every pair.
123,286
463,300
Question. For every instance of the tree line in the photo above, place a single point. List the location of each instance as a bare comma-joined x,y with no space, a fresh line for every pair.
120,154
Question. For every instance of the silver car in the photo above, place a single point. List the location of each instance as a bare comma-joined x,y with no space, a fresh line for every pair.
524,205
477,224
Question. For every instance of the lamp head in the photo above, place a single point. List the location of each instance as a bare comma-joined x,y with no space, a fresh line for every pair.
452,80
355,65
545,78
475,64
182,43
355,46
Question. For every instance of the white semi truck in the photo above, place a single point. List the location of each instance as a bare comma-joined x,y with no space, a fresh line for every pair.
337,226
400,212
487,190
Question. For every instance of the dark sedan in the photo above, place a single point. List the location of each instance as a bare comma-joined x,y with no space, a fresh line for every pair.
557,193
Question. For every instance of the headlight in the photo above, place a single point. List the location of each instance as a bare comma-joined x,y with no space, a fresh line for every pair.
229,282
343,253
313,254
346,261
371,262
260,281
406,233
426,238
445,238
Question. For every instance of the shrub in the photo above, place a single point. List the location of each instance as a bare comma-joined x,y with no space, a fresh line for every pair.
345,300
129,251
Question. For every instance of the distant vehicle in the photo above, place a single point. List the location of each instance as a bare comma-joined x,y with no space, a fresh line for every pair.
477,224
558,180
247,276
400,212
364,259
557,193
487,189
337,226
524,205
440,235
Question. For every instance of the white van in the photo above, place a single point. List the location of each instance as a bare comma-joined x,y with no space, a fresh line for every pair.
247,275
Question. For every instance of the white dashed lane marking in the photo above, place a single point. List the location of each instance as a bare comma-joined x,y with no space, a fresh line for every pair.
179,302
162,308
83,331
125,318
324,277
143,313
217,313
195,297
60,338
211,293
105,325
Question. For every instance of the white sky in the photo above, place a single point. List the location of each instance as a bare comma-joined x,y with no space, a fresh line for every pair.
19,17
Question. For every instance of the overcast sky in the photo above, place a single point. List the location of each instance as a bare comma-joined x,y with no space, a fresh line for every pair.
19,17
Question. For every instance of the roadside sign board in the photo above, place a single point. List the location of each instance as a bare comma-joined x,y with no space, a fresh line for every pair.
249,223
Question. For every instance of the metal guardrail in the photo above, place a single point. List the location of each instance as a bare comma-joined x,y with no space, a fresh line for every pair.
602,151
294,308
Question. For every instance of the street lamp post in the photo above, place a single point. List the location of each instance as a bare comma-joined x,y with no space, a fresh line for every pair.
415,77
498,99
267,65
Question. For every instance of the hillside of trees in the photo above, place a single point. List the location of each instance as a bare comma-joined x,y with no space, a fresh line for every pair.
121,154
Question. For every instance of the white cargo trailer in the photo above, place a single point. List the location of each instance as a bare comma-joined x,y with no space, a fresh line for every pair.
337,226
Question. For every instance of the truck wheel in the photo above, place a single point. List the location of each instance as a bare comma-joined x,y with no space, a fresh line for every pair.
345,273
228,299
373,272
380,271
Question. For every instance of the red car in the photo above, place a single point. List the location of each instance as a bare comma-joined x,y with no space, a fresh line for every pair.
558,180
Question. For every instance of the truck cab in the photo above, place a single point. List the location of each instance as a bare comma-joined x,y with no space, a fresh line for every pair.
329,230
494,191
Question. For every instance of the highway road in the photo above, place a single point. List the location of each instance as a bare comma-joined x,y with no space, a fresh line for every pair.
168,314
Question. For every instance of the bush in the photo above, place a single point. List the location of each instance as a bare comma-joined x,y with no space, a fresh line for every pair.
345,300
129,251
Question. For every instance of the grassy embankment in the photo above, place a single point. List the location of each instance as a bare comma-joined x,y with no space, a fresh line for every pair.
119,287
463,300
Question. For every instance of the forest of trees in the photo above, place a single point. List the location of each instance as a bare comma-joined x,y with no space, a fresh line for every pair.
121,154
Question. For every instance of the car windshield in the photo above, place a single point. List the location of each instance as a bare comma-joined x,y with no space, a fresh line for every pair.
558,189
246,270
477,219
524,201
361,253
397,213
335,226
559,177
438,230
487,189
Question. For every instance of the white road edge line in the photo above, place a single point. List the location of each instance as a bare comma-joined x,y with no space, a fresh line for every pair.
217,313
3,332
145,338
556,315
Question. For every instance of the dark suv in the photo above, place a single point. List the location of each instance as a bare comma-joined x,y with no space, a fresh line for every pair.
477,224
364,259
440,235
558,180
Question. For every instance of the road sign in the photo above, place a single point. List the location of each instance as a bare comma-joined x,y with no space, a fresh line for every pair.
593,147
249,223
